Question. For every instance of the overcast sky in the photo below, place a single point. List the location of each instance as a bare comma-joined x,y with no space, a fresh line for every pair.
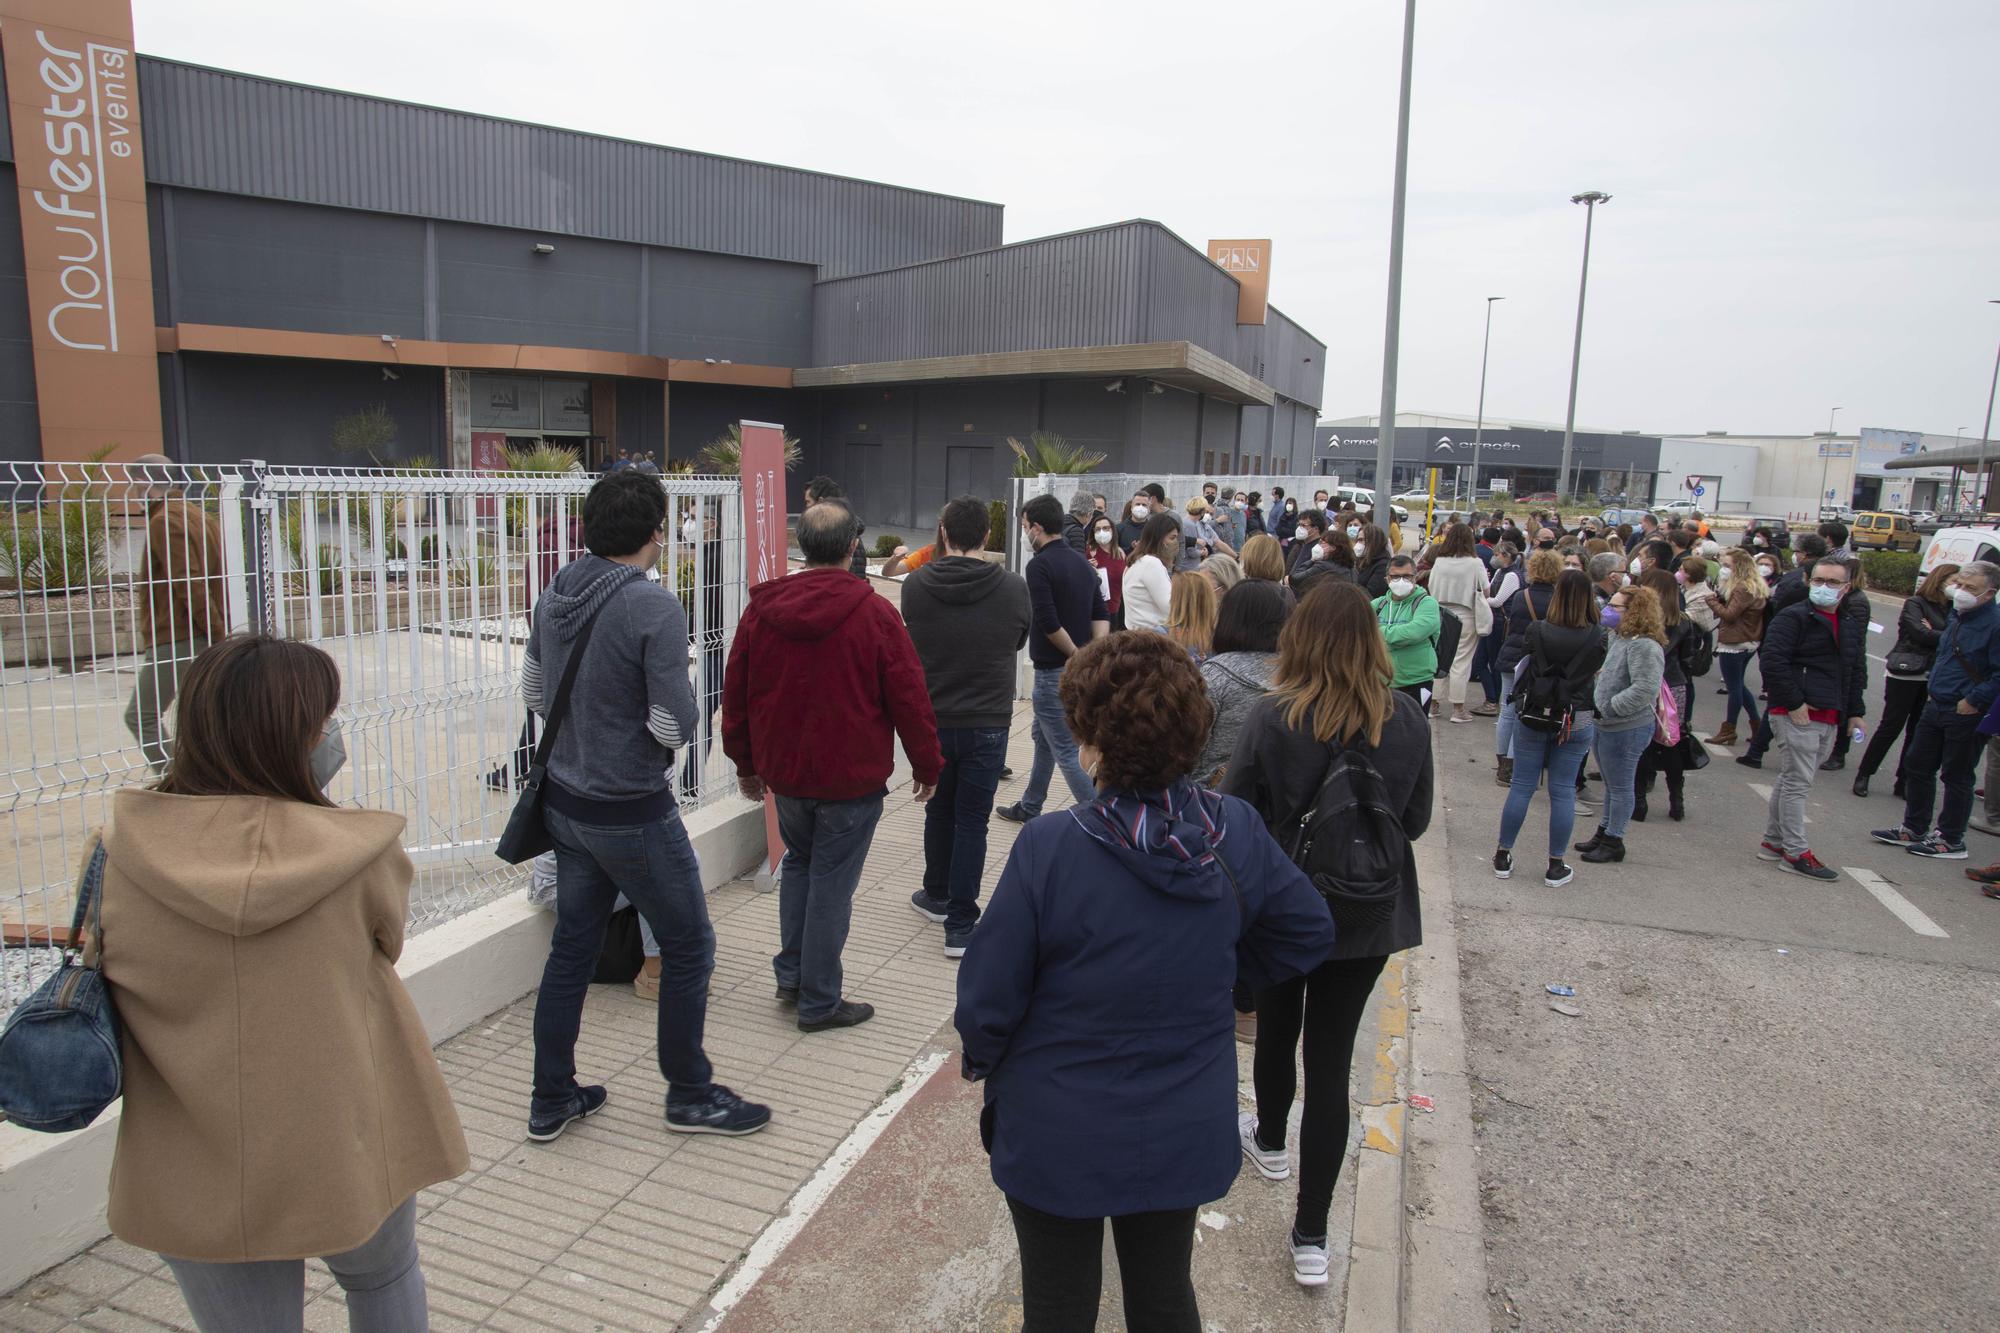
1806,207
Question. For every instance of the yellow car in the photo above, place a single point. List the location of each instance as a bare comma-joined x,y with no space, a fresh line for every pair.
1877,531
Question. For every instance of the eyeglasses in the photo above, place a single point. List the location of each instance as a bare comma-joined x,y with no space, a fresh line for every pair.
1829,583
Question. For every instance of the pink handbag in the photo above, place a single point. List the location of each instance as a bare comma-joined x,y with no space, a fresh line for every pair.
1666,717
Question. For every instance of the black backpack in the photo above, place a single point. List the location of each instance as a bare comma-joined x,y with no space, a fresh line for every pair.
1542,697
1703,656
1351,844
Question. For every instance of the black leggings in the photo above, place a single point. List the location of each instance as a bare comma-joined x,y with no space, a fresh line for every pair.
1902,704
1326,1005
1062,1269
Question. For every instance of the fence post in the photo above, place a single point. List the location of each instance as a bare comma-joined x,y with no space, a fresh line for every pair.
247,529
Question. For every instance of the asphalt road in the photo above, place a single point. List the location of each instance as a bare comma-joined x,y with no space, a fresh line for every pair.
1775,1111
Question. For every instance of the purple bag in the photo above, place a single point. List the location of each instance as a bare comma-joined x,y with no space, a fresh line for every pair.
1666,717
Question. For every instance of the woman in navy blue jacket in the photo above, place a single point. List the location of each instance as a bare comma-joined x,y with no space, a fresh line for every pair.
1094,998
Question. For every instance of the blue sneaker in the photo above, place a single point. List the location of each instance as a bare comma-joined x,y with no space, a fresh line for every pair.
1894,837
1939,848
587,1102
720,1111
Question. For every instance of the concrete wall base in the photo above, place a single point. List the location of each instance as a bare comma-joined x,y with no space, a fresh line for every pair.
53,1187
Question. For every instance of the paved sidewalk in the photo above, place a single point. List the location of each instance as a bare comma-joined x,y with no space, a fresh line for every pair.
621,1225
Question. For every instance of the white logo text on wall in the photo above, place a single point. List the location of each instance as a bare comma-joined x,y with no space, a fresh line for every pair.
88,112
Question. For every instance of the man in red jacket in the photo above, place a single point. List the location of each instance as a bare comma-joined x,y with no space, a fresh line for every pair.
821,674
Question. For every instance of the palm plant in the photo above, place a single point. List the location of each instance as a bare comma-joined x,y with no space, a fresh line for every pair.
723,455
371,431
547,459
1047,453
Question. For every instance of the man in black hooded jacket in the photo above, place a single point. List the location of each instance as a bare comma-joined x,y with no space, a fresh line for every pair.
968,619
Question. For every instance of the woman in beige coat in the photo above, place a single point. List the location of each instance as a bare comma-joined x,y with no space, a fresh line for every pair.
281,1098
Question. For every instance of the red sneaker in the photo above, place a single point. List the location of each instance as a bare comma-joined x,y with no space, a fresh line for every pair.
1771,851
1990,890
1805,863
1989,875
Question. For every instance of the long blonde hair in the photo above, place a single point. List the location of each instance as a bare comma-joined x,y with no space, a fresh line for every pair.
1191,611
1332,677
1744,574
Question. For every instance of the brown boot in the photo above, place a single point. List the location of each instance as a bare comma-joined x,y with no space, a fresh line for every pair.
1727,736
1503,772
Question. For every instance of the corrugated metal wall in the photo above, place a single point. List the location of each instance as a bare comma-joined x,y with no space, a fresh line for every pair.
210,130
1082,289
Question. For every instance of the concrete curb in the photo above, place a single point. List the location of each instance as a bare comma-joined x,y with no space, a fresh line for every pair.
1375,1246
1443,1227
53,1187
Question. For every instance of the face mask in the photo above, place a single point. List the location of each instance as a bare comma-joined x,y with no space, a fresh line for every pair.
1319,552
1142,512
1104,537
1546,546
1303,532
1823,597
1680,578
1768,571
1612,615
1353,533
1761,542
688,531
1242,504
329,756
1633,568
1291,508
1964,600
1401,587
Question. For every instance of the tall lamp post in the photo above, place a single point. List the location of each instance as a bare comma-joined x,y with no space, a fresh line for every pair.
1590,199
1385,437
1826,458
1986,431
1479,423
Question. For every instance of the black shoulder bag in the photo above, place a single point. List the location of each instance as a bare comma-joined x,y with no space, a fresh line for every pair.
527,835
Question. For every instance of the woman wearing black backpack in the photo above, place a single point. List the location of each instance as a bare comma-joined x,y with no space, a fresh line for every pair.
1553,720
1330,697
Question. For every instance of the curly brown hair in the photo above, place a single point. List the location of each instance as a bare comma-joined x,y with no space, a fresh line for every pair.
1137,699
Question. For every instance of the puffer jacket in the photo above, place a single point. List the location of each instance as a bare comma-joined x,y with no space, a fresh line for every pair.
1628,684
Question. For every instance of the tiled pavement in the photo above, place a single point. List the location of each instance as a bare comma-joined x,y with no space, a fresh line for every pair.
619,1224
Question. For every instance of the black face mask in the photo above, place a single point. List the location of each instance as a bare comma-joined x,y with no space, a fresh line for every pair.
1546,546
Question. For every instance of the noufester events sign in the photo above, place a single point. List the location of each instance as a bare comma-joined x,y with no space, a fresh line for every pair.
73,97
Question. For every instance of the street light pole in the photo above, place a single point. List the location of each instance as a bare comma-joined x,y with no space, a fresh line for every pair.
1590,199
1479,423
1986,431
1385,438
1826,459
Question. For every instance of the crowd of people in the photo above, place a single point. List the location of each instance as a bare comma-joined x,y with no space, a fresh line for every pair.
1238,695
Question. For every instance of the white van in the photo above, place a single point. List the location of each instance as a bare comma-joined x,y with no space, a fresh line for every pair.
1363,499
1960,546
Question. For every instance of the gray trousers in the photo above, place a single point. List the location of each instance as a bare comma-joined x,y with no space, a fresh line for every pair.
1801,746
383,1281
153,697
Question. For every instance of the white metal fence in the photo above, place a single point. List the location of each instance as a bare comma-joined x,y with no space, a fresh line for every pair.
113,577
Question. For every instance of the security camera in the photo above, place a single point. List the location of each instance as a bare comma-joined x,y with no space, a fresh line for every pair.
389,374
1154,388
1115,386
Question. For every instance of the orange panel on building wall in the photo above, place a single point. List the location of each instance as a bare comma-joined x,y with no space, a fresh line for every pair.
1250,263
73,98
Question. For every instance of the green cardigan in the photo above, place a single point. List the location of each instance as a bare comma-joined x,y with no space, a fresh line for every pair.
1411,630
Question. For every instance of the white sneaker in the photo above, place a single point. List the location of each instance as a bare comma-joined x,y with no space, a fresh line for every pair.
1309,1264
1270,1165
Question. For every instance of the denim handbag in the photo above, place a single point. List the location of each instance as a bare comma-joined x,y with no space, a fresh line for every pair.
527,834
60,1064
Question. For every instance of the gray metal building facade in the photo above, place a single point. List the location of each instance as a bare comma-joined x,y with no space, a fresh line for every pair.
305,241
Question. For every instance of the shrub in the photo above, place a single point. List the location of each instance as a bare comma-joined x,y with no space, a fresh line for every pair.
57,549
886,544
996,525
427,549
723,455
1046,452
1891,571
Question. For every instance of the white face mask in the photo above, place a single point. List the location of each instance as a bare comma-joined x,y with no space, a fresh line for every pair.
1633,568
1303,532
1401,587
1142,512
1104,536
1964,600
1768,571
1242,504
689,529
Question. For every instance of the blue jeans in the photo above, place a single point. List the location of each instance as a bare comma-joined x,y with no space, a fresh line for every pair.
1533,751
1508,725
1742,699
1618,755
1053,745
1486,663
826,844
1947,745
384,1285
955,819
654,866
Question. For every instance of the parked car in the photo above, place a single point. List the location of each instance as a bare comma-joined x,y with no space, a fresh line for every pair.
1877,530
1363,499
1836,514
1684,508
1781,531
1924,518
1959,546
1613,517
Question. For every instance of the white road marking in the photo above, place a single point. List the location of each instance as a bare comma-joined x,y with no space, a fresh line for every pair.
764,1251
1904,910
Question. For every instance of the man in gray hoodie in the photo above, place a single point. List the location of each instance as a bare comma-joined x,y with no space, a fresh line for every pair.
969,619
609,806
